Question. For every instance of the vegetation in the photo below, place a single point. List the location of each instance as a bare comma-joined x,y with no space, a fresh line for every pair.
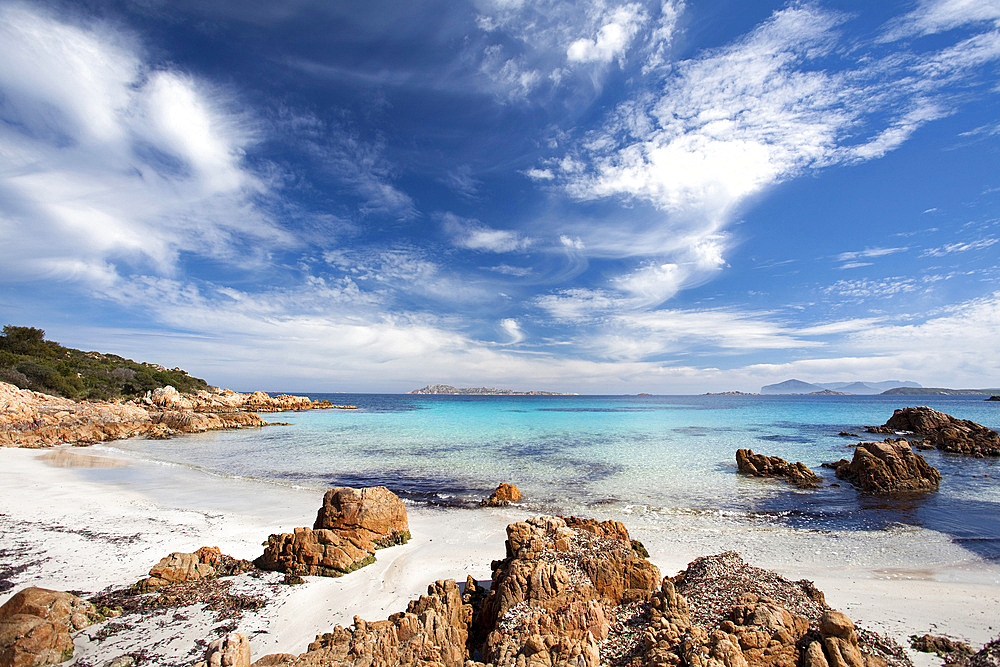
31,362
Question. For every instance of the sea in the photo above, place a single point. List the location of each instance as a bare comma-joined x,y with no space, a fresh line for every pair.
663,465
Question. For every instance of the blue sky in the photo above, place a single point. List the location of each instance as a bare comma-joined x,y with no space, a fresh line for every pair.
601,196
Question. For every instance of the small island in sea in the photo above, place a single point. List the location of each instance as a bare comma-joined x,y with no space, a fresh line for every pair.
482,391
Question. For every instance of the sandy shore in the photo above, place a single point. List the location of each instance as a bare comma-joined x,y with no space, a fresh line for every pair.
75,519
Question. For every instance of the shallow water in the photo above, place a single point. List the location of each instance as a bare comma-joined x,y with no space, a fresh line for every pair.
663,462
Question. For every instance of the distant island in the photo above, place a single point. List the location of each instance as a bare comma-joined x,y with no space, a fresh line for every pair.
837,388
730,393
482,391
939,391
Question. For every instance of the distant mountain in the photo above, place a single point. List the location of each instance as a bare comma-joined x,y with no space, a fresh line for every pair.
791,387
480,391
867,387
939,391
856,387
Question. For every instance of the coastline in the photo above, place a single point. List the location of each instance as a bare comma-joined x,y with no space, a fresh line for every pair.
83,528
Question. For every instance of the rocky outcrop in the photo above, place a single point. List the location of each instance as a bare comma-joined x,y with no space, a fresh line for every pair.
959,436
888,466
349,527
758,465
226,400
36,626
33,419
553,598
504,495
205,563
572,592
433,631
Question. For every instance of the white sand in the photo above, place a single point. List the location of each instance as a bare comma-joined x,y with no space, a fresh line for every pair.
89,527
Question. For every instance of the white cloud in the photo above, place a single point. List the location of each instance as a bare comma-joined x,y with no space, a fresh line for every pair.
612,39
473,235
572,243
508,270
512,328
578,304
542,46
108,162
950,248
868,253
935,16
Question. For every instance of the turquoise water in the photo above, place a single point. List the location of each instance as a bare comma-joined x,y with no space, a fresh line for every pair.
653,458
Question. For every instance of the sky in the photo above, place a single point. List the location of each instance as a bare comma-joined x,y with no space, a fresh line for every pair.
595,196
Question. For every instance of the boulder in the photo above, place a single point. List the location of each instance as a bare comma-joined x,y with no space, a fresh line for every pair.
205,563
888,466
349,527
36,626
372,513
758,465
959,436
504,495
232,650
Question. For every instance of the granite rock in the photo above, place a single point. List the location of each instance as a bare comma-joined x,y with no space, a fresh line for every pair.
36,626
504,495
349,527
888,466
759,465
959,436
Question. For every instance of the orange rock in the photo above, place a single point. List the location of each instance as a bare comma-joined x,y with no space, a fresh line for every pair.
504,495
36,623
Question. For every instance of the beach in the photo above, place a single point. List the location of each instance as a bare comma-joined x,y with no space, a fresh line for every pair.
67,516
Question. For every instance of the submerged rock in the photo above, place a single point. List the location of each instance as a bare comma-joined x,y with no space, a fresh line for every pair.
36,626
349,527
888,466
758,465
959,436
504,495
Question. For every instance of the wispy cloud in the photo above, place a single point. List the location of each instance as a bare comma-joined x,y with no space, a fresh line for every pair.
935,16
950,248
111,163
473,235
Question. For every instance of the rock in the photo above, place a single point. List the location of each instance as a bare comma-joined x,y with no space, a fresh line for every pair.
959,436
949,649
504,495
36,626
993,398
552,598
758,465
373,513
349,527
205,563
432,631
32,419
889,466
232,650
120,661
848,434
571,592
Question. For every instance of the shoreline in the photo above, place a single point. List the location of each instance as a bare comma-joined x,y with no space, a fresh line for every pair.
76,528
